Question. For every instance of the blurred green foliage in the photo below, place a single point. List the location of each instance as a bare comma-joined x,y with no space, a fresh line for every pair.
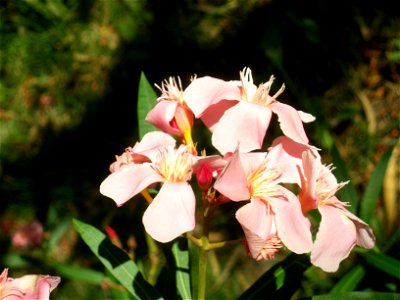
69,73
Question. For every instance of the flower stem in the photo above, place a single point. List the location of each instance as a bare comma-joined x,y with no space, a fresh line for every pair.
201,286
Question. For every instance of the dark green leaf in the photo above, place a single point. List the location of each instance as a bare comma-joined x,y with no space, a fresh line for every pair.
15,261
358,296
80,274
180,251
374,187
348,192
383,262
350,280
393,239
281,281
116,261
146,101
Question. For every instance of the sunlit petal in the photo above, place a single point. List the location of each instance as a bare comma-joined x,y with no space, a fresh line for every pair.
128,181
335,238
171,213
290,122
245,125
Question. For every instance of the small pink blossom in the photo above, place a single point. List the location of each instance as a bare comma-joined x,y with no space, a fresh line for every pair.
239,112
27,287
171,212
273,213
339,230
171,114
29,235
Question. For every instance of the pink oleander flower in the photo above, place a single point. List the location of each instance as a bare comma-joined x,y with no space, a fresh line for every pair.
273,217
171,212
27,287
171,114
339,230
239,112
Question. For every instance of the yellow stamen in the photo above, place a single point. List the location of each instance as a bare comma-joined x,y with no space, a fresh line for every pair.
174,165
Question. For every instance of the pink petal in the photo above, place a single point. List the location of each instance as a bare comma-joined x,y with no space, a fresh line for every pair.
214,162
290,122
255,217
162,115
335,238
292,226
365,236
311,167
128,181
171,213
306,117
206,168
245,125
206,91
287,153
213,113
32,286
232,181
252,160
151,142
254,242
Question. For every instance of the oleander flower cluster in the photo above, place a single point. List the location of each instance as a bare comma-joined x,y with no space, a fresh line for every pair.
238,114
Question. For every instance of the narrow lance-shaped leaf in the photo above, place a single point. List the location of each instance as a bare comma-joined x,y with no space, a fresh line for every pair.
80,274
281,281
374,187
116,261
350,280
180,251
383,262
146,101
357,296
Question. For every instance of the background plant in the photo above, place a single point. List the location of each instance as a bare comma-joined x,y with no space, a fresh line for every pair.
69,74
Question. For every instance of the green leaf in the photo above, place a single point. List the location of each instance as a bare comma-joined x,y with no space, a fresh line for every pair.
358,296
116,261
374,187
383,262
146,101
281,281
80,274
391,241
350,280
14,261
348,192
180,252
194,266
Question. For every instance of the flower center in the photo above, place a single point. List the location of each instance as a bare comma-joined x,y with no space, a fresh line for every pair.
326,190
175,165
260,95
262,181
271,247
171,90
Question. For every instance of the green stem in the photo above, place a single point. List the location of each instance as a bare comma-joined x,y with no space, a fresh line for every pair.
201,286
